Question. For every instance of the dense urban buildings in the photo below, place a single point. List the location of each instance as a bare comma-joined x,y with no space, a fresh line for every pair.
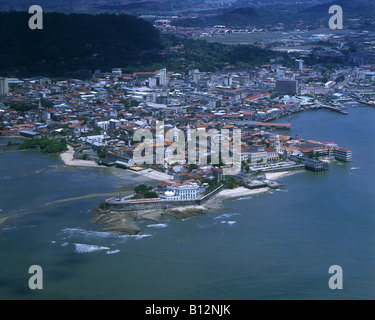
99,116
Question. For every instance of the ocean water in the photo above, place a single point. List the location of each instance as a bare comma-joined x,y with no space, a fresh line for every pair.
277,245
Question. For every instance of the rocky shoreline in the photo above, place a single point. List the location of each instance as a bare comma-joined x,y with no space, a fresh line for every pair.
126,222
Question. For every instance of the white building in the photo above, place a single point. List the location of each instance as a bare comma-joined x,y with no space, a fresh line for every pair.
185,191
257,157
298,64
277,144
117,71
342,154
152,82
4,87
163,77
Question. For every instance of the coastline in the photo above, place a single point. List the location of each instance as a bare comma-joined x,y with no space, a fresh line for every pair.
68,158
238,192
153,174
282,174
119,222
115,221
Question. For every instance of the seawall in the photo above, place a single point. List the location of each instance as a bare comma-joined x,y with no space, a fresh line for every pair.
152,204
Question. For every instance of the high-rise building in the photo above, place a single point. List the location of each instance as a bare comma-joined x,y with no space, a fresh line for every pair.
228,81
163,77
287,86
4,87
298,64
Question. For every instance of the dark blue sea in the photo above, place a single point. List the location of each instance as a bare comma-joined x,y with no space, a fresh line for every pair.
276,245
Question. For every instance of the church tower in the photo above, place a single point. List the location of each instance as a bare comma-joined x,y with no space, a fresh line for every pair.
277,144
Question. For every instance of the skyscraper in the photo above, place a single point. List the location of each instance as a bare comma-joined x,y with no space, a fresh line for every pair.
298,64
287,86
4,87
163,77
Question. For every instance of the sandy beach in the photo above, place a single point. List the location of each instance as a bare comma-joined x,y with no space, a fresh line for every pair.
153,174
278,175
239,192
68,158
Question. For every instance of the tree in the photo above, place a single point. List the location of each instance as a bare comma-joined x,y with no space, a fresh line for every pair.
47,145
23,107
142,189
102,205
98,130
193,166
101,154
46,103
151,195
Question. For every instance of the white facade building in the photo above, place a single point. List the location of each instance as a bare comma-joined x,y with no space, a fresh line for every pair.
163,77
186,191
4,87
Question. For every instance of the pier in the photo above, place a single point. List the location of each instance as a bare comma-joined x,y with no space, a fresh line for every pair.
285,126
334,109
310,164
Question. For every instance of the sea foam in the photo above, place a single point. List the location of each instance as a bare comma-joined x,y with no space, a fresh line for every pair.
88,248
228,222
227,215
158,225
73,232
112,251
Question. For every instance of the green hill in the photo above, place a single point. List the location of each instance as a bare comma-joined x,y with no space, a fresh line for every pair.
77,41
290,15
70,44
248,16
357,14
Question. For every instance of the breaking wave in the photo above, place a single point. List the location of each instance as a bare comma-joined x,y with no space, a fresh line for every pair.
158,225
88,248
73,232
245,198
229,222
227,215
112,251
